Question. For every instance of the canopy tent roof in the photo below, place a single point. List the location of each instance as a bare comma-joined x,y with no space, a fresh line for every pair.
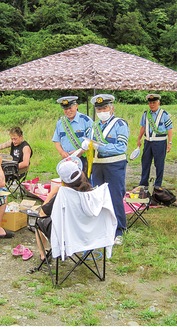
89,67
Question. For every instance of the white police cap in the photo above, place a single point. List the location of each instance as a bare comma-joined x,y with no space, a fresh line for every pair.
67,101
102,99
153,97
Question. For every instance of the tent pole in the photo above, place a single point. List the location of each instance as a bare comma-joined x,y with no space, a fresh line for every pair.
94,93
87,103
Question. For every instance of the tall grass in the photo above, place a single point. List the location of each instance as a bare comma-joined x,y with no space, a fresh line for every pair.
38,120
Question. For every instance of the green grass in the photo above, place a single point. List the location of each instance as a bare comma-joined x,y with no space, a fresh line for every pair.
7,320
147,261
3,301
38,120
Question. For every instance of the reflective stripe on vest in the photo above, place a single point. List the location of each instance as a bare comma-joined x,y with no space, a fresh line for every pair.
154,137
101,135
112,159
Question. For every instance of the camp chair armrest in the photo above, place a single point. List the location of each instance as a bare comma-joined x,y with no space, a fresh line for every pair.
137,200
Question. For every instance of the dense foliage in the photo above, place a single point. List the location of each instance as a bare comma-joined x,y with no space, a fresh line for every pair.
31,29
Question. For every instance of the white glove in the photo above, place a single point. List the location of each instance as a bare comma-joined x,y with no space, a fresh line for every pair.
95,146
85,145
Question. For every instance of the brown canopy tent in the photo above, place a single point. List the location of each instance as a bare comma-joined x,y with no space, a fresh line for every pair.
89,67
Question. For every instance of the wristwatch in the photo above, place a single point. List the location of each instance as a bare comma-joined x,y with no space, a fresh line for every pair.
169,142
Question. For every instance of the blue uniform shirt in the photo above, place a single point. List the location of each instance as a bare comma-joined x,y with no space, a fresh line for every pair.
164,124
117,139
81,125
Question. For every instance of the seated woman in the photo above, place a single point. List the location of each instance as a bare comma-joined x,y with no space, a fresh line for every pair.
3,200
72,176
20,151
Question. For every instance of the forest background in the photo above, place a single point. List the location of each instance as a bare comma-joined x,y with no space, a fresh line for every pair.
31,29
140,288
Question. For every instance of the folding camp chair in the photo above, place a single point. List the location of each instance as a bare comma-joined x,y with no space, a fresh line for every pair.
140,205
14,177
77,232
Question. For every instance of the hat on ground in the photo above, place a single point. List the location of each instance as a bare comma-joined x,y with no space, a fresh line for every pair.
67,101
102,100
69,169
153,97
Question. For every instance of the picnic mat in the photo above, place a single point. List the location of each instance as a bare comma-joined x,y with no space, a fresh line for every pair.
34,189
128,210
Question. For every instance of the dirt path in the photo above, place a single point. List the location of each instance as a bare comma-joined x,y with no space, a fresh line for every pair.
26,298
26,301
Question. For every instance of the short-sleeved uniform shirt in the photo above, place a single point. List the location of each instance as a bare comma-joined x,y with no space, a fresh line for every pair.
81,125
164,124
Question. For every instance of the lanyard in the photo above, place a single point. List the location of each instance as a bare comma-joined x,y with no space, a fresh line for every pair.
152,122
101,135
98,133
71,134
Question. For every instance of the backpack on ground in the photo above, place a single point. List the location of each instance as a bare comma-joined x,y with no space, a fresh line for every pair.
163,196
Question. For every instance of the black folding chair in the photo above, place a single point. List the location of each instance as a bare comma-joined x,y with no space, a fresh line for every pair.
14,177
78,259
140,205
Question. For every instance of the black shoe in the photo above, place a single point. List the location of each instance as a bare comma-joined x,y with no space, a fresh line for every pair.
8,235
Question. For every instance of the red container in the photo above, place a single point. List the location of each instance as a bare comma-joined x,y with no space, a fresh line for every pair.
48,187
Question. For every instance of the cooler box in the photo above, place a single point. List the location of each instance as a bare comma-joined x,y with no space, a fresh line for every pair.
14,221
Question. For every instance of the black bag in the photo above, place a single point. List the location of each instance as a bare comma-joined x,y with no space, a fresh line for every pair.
162,195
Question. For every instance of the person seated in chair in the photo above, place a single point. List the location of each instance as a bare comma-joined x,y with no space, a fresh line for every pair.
72,176
3,200
20,150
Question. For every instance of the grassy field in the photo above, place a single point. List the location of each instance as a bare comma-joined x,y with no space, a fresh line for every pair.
38,120
141,279
140,287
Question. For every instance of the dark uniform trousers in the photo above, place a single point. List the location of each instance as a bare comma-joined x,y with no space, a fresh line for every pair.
114,174
156,150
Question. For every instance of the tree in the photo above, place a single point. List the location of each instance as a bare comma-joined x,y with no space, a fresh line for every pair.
157,25
12,24
141,51
51,14
97,16
21,5
124,6
40,44
167,52
128,30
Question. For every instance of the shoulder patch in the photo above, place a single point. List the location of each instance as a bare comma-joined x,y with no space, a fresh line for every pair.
122,122
85,117
165,112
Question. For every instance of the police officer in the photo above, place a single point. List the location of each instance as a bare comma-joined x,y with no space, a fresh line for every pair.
109,163
71,128
156,126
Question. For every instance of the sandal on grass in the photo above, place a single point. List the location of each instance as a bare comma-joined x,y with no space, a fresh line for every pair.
18,250
27,254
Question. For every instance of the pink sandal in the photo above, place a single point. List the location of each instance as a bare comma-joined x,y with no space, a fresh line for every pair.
18,250
27,254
